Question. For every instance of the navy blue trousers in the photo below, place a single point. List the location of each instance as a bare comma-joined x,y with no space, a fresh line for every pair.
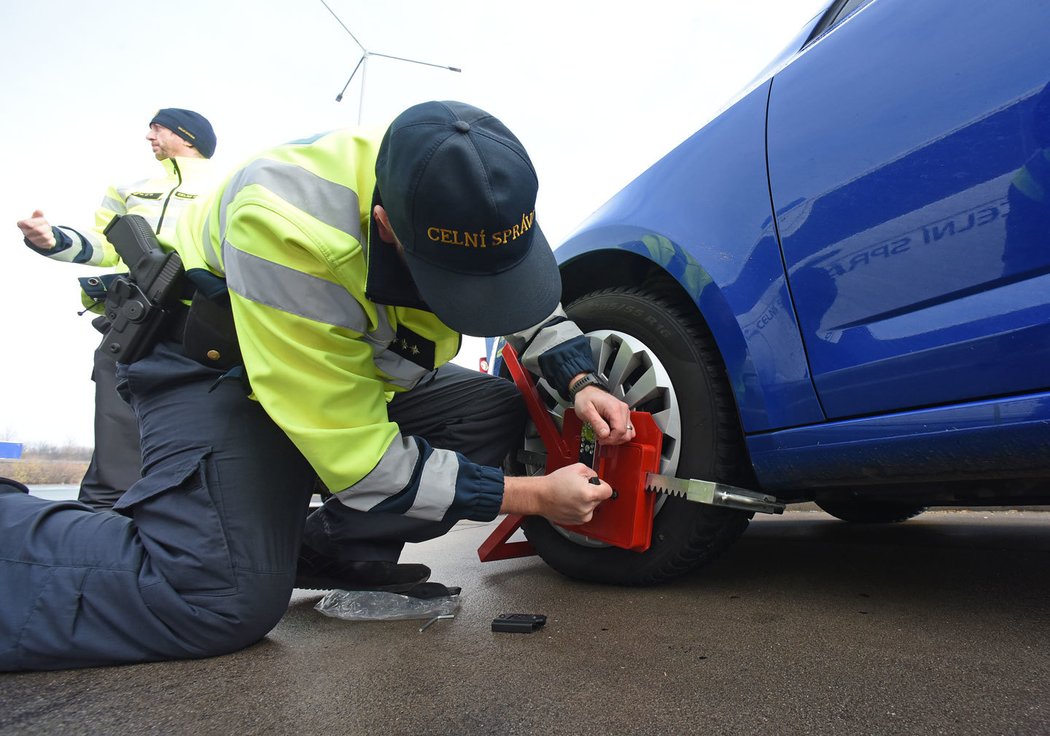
116,460
201,559
455,409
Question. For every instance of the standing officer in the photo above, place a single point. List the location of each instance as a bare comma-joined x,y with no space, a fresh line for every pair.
182,140
353,264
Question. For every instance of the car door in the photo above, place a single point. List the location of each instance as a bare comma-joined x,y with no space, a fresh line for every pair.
909,170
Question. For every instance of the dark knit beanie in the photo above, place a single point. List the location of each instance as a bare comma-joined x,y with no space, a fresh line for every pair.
191,126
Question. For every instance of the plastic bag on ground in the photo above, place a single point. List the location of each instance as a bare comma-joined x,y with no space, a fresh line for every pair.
375,605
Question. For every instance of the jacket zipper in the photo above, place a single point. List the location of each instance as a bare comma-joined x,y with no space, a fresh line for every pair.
164,209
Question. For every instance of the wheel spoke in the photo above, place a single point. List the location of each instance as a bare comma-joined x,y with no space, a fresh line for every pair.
646,388
622,365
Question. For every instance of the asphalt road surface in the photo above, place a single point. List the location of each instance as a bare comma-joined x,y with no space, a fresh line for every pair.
940,625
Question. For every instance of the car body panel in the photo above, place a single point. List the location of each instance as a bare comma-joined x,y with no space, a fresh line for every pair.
715,236
916,279
979,440
891,324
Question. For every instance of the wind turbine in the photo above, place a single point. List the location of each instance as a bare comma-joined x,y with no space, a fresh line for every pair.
362,64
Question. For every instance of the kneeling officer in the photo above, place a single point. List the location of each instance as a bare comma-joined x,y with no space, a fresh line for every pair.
353,262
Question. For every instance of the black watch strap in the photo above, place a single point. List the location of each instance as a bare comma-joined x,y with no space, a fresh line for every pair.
589,379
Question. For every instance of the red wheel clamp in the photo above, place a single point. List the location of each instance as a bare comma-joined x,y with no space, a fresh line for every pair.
626,519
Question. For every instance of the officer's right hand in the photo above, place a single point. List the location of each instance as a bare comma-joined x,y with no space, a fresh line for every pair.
571,497
37,230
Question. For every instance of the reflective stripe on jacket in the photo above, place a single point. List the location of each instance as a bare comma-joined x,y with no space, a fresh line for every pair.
160,200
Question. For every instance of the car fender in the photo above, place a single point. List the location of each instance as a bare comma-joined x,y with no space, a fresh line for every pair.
688,215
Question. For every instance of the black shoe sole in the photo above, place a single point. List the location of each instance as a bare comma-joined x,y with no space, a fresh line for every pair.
426,591
323,583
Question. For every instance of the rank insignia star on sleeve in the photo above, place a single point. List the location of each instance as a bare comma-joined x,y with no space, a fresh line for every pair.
413,347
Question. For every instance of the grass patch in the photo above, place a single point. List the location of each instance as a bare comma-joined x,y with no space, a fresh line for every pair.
44,472
48,465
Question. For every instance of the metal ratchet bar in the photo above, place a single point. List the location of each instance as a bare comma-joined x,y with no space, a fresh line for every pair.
713,493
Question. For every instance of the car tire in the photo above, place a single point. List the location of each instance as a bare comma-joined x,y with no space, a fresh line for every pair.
702,436
871,512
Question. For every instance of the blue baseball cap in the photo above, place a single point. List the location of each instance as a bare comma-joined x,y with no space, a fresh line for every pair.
460,192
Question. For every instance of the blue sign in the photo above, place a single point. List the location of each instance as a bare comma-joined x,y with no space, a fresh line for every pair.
10,450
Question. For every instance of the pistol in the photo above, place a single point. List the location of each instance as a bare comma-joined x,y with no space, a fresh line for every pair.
139,303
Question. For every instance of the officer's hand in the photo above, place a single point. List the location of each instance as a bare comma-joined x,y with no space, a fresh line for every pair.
610,417
37,231
570,497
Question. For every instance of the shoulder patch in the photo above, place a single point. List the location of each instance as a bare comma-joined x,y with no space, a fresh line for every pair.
413,347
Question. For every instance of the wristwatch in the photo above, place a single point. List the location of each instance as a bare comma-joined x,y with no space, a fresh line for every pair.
589,379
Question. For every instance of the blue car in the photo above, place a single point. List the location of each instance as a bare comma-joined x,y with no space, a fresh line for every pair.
838,290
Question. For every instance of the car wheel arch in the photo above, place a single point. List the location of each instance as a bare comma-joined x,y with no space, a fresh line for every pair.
623,265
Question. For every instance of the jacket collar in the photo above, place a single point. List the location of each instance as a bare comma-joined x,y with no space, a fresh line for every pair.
187,165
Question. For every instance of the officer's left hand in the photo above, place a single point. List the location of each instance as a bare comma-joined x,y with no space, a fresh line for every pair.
610,417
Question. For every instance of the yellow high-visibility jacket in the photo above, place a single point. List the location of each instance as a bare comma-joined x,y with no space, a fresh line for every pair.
160,200
289,232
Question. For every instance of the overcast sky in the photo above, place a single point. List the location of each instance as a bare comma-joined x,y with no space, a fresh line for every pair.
596,91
